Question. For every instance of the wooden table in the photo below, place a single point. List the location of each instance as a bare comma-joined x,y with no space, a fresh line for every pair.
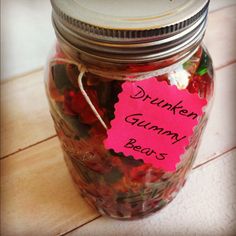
38,196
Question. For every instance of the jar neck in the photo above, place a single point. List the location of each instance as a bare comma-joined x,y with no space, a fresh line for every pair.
114,69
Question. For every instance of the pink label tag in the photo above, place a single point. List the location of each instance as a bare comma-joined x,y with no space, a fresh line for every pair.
154,122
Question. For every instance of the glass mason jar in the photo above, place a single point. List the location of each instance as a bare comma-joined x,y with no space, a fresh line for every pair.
97,52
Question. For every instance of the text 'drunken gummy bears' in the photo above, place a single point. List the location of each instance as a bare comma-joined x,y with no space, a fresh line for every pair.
154,122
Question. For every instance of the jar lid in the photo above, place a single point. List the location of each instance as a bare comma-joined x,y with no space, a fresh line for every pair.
130,30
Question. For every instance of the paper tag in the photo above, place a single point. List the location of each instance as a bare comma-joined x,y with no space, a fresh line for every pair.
154,122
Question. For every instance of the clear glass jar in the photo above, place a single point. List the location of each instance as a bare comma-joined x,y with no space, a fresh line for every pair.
117,185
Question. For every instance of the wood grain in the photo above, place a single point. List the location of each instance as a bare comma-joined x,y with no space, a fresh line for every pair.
205,206
37,191
25,119
221,36
37,194
220,133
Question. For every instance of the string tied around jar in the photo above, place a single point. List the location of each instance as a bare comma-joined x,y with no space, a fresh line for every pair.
130,77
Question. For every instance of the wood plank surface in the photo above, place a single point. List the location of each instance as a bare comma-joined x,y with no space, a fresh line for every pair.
219,4
37,189
37,194
220,36
205,206
220,133
25,119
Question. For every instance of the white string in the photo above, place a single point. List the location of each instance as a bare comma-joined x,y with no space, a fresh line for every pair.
135,77
67,61
80,83
82,70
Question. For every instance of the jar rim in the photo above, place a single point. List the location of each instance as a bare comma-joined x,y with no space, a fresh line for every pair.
125,45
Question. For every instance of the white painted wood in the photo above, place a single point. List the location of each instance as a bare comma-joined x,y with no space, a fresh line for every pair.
220,133
218,4
220,36
38,197
56,206
26,35
205,206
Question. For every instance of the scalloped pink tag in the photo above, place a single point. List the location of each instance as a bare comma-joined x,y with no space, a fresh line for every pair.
154,122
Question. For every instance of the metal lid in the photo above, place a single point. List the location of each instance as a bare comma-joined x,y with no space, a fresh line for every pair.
134,30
